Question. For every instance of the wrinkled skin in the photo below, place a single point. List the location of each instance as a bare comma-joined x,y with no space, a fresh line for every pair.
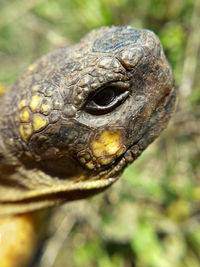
78,116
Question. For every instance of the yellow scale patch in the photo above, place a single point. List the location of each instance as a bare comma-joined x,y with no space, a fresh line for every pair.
22,104
32,67
25,131
39,122
106,161
45,108
107,145
2,90
24,115
35,88
35,101
90,165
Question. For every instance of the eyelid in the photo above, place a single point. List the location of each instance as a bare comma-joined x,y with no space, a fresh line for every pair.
122,86
123,92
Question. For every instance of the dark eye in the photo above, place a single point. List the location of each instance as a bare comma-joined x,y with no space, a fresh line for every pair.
107,98
104,97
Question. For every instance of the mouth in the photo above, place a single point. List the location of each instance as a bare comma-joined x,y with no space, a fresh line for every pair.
68,190
164,107
112,172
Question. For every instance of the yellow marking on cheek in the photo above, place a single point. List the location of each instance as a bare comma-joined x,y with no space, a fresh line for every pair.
90,165
35,101
108,143
22,104
24,115
45,108
39,122
106,161
25,131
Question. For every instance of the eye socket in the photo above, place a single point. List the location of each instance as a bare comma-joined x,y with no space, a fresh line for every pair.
107,98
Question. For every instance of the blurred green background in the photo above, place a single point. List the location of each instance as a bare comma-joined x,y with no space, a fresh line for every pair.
151,217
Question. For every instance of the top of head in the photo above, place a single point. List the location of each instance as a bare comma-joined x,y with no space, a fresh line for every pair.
80,114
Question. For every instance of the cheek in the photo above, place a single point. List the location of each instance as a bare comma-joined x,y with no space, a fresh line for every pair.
107,146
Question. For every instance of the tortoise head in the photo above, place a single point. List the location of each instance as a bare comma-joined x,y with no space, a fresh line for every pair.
79,115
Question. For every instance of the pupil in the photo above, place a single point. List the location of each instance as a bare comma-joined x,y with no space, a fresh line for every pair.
104,97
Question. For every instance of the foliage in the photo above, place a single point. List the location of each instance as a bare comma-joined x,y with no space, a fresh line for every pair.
150,218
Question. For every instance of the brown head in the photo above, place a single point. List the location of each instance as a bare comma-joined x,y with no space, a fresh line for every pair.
79,115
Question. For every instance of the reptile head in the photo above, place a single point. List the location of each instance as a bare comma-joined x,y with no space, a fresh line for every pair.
79,115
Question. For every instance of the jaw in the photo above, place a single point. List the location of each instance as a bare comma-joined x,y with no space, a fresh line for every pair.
46,191
157,123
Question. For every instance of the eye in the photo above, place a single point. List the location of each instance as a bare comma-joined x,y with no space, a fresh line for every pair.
107,98
104,97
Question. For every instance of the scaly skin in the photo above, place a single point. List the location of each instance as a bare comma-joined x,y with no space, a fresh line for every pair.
80,115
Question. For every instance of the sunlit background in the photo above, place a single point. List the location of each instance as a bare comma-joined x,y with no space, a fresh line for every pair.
151,217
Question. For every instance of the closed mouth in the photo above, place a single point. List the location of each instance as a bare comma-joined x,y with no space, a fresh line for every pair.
133,151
